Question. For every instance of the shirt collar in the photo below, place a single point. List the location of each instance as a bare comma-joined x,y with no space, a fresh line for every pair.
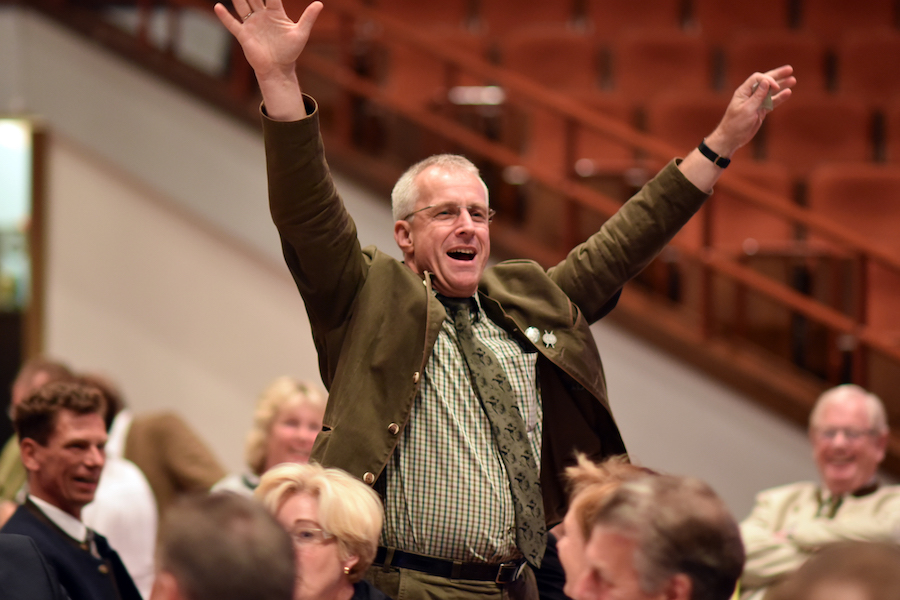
473,301
69,524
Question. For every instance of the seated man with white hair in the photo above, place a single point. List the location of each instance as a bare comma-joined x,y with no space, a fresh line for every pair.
849,433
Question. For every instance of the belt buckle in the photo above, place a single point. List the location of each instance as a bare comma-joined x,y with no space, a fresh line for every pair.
514,567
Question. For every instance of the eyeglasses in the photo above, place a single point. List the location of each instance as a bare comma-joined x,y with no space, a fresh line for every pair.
308,536
449,213
850,434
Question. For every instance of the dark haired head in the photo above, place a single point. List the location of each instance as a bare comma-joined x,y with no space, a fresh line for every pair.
35,416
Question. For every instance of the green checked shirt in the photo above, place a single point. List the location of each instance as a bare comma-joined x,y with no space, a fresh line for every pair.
446,489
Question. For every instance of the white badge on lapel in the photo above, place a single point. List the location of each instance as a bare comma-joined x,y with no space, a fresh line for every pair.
549,339
533,334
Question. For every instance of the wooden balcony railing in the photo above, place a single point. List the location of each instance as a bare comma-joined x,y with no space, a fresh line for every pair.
783,322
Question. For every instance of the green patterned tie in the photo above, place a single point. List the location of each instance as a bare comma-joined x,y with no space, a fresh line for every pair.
508,429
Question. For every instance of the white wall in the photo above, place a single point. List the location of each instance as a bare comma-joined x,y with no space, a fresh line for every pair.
165,273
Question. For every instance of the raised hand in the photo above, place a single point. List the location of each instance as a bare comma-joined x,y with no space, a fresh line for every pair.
746,111
272,43
743,117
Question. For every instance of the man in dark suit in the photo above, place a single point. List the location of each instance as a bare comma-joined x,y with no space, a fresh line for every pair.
62,437
24,572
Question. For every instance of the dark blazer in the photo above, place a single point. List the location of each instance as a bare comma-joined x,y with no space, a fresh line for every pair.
374,323
84,576
24,572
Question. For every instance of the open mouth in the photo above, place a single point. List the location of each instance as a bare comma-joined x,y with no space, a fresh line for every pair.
462,254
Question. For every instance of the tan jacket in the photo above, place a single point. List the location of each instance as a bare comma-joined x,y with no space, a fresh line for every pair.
375,321
172,456
785,528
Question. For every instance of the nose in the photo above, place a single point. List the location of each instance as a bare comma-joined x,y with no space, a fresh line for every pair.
307,437
95,457
464,220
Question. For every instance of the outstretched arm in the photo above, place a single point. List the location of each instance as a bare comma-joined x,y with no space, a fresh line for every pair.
272,43
743,118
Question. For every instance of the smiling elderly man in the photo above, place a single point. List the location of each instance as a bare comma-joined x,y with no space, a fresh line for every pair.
62,437
849,432
459,391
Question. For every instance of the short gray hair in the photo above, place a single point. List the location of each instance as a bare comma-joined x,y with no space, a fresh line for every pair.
679,525
406,190
846,393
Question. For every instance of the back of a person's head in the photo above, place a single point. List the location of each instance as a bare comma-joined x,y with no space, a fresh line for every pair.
223,546
35,373
680,526
845,571
35,416
590,483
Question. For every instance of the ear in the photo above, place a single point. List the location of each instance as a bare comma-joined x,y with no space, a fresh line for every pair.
881,443
350,562
403,236
679,587
164,587
31,454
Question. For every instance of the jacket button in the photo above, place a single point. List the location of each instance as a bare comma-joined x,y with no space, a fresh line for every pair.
369,478
103,569
416,377
393,429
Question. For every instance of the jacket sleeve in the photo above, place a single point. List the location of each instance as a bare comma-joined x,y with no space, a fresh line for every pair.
598,268
770,554
318,237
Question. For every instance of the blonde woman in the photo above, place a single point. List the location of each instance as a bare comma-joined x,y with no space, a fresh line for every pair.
335,521
287,419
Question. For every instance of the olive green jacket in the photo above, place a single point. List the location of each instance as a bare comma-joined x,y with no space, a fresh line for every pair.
375,321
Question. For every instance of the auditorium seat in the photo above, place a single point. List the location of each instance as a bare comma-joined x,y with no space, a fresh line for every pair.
865,198
599,154
828,19
892,131
498,17
556,57
446,13
814,129
683,118
416,77
751,51
543,135
606,19
719,21
740,226
868,64
648,61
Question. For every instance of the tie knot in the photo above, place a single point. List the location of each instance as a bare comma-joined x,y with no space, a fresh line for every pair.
459,309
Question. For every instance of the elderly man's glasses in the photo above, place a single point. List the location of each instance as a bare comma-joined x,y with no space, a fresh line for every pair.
308,536
449,213
850,434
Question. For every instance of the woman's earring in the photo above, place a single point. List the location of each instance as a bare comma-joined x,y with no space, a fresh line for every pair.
346,570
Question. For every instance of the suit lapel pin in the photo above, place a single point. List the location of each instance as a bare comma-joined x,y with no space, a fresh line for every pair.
549,339
533,334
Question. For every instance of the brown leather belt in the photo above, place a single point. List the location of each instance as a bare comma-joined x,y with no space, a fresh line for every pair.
497,572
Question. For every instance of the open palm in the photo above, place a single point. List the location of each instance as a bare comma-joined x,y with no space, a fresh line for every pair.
270,39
